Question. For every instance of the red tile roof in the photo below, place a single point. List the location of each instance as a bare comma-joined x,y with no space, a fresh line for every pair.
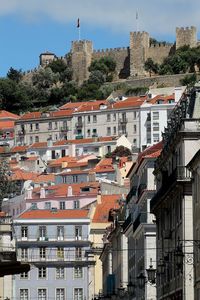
102,209
45,178
31,115
6,125
18,149
165,99
59,214
150,152
8,115
19,174
38,145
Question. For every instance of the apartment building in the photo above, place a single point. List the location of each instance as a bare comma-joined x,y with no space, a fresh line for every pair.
56,243
7,124
40,126
172,204
139,227
140,119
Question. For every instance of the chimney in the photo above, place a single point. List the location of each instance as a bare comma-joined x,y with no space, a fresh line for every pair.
42,192
29,192
69,191
99,199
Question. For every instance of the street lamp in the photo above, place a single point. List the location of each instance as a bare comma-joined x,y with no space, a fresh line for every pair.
151,273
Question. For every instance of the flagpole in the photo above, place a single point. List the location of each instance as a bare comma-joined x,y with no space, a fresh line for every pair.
136,21
79,33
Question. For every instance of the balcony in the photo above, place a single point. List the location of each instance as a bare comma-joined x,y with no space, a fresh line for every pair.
127,222
21,132
180,175
79,124
141,218
68,257
131,193
61,240
64,129
79,137
123,121
141,189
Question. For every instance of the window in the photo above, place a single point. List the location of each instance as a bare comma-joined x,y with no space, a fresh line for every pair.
155,126
134,128
60,233
94,132
56,125
37,126
42,232
114,117
23,294
60,253
37,139
24,231
60,273
109,149
94,119
31,140
108,117
75,178
78,253
88,132
50,126
76,204
155,115
24,253
31,127
88,119
108,131
62,204
78,272
135,142
78,294
134,115
53,154
156,138
42,272
78,232
42,252
24,275
42,294
63,153
114,130
60,294
47,205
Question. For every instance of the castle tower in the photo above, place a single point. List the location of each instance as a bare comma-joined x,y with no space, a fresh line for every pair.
81,59
46,58
186,36
139,45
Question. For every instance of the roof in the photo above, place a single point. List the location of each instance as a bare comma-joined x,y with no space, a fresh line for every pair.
45,178
38,145
8,115
105,165
150,152
61,190
165,99
108,202
55,214
31,115
84,141
18,149
6,124
19,174
50,114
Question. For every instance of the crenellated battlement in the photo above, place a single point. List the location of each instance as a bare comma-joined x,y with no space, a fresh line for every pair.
108,50
161,46
186,36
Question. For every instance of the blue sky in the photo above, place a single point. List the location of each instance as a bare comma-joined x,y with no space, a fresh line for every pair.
28,28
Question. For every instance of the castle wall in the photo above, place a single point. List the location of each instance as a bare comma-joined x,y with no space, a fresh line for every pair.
159,52
139,44
186,36
121,57
81,56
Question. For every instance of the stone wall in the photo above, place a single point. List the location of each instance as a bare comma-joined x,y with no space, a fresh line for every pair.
159,52
186,36
120,55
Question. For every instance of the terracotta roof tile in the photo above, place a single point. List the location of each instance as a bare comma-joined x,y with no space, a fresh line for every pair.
102,209
7,125
59,214
6,114
18,149
38,145
19,174
165,99
31,115
45,178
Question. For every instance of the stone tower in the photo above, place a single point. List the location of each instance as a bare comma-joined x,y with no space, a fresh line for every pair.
186,36
81,56
139,46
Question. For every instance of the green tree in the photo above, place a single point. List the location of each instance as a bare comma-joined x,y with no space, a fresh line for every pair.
106,65
15,75
60,67
150,66
97,77
120,151
45,78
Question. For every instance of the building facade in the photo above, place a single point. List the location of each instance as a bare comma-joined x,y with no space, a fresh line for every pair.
56,244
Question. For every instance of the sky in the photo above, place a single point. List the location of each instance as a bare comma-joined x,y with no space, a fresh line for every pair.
31,27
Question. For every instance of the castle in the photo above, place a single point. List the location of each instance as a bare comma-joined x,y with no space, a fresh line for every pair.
130,60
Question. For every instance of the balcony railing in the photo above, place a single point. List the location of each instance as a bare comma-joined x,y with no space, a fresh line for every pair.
180,175
65,128
79,137
79,124
68,257
21,132
123,121
52,238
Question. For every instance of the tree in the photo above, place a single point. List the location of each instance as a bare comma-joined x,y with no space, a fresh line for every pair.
6,185
45,78
60,67
97,77
15,75
120,151
150,66
106,65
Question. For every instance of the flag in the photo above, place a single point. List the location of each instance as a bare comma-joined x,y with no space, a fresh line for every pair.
78,23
